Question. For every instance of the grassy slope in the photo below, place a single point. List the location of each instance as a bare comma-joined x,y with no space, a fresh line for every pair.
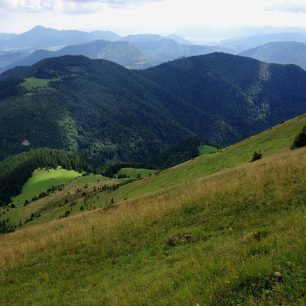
271,141
72,197
206,149
133,172
276,139
42,180
119,256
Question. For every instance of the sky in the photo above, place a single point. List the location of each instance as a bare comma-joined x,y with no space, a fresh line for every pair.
151,16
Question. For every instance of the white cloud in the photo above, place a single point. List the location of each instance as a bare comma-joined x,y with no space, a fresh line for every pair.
116,3
288,6
85,6
140,16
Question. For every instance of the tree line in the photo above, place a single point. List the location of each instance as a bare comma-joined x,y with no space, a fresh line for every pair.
17,169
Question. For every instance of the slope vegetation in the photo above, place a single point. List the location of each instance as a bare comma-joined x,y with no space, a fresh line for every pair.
204,242
17,169
77,198
110,113
235,96
42,180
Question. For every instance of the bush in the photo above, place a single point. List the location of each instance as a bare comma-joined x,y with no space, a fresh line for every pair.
300,140
256,156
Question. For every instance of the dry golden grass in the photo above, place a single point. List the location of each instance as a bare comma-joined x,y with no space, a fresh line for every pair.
280,171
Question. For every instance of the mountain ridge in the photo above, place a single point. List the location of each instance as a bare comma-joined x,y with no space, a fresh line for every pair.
286,53
108,112
132,54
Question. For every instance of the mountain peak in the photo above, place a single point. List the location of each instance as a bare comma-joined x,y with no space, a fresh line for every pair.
39,28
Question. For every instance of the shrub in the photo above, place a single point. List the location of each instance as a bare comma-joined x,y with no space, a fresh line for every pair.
300,140
256,156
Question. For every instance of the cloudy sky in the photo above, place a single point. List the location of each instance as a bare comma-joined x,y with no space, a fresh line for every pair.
144,16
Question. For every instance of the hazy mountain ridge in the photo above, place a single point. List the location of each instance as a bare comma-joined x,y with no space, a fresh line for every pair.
133,51
280,53
41,37
245,43
130,53
120,52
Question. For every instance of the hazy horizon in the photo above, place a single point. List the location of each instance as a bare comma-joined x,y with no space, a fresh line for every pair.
195,19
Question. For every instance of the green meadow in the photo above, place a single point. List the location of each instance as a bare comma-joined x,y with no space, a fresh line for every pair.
42,180
33,83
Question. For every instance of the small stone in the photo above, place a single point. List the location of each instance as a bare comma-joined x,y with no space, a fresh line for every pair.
278,275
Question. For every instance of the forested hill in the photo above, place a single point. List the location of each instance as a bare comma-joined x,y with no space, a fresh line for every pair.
108,112
96,107
237,96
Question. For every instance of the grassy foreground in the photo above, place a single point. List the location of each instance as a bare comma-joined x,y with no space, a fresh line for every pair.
232,238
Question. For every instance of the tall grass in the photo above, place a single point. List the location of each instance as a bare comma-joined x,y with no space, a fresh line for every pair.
247,226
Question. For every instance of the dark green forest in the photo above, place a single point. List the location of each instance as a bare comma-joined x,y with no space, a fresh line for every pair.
112,114
177,154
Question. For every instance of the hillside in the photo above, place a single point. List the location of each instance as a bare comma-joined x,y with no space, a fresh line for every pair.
275,140
43,180
203,241
17,169
9,58
280,53
105,110
111,113
243,96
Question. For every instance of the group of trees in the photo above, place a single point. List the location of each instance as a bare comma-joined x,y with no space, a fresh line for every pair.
300,140
6,227
17,169
185,150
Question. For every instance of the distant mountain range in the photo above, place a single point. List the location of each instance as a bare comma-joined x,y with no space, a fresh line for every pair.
41,37
110,113
141,38
121,52
245,43
280,53
134,51
142,51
